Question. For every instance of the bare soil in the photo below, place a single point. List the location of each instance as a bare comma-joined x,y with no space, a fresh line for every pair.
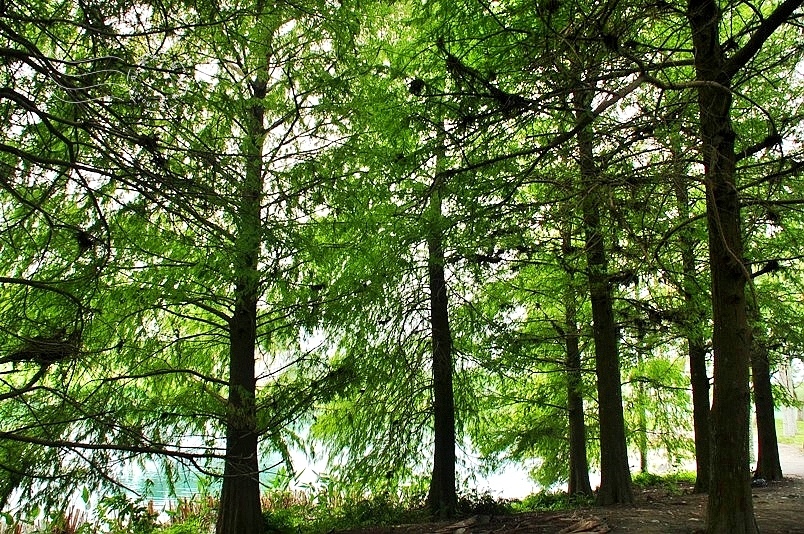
779,509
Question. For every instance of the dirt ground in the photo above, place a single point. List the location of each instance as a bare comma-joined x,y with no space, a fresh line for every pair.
779,509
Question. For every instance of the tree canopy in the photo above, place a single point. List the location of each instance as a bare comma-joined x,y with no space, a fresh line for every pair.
414,238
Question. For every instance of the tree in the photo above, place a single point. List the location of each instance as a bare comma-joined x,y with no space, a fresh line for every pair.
730,506
175,228
768,464
223,224
615,477
442,497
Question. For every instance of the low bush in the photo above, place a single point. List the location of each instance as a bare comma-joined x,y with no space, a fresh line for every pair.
550,500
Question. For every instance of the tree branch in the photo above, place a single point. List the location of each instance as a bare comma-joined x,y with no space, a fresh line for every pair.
779,16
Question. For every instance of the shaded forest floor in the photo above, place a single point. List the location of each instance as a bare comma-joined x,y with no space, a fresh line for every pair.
779,509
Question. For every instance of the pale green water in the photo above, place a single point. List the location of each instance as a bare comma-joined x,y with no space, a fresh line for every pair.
149,482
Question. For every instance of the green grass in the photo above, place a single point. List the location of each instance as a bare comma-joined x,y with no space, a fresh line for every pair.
552,501
798,439
300,512
674,483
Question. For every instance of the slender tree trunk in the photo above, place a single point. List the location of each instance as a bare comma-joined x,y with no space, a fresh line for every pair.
239,509
769,466
730,509
699,380
696,346
442,497
578,462
579,465
642,427
615,477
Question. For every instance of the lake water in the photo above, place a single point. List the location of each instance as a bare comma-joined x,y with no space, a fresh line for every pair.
148,482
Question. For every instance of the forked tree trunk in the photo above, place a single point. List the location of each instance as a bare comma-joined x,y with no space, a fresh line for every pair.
615,477
442,497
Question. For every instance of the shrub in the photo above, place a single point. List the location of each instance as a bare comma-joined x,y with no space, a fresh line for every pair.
672,482
279,521
545,500
484,504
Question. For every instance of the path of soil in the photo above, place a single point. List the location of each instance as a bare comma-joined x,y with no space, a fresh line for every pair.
779,509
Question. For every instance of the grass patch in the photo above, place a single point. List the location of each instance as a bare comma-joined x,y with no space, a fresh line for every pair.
798,439
674,483
294,512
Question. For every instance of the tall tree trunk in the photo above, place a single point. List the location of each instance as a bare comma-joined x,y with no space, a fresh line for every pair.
730,509
615,477
696,345
239,509
769,466
578,462
442,497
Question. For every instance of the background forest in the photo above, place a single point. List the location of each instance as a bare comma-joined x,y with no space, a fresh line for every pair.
407,237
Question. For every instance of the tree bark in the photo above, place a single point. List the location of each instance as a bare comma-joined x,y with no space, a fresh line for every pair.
699,380
615,477
578,462
442,497
730,508
239,510
769,466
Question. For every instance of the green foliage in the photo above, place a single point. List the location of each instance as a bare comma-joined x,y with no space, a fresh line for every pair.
281,522
675,483
165,161
474,503
378,510
291,512
119,513
188,527
546,500
657,404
